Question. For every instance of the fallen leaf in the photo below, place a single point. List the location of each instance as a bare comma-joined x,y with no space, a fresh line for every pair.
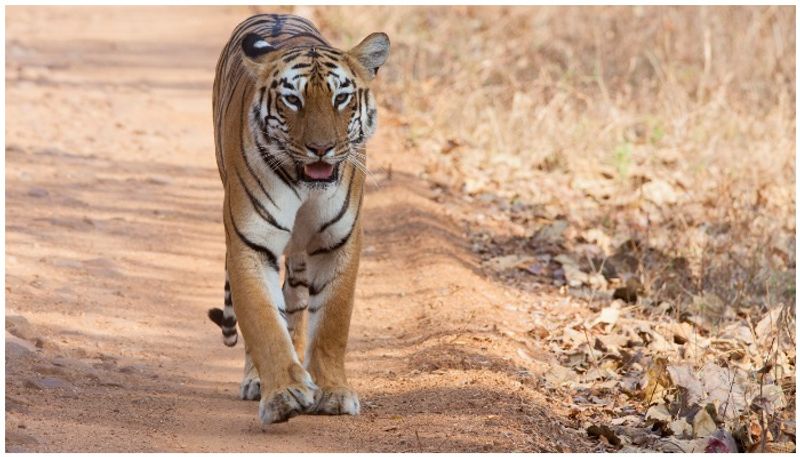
596,374
608,315
597,281
770,399
625,420
674,444
596,236
657,381
724,389
610,344
703,424
738,332
683,376
558,375
681,428
766,326
682,332
658,413
572,272
597,431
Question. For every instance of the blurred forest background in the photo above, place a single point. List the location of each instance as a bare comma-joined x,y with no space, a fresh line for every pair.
638,153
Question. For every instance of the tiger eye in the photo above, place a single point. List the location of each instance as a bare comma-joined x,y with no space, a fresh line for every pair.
293,100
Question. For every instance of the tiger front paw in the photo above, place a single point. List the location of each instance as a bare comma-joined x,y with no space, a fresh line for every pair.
337,400
283,403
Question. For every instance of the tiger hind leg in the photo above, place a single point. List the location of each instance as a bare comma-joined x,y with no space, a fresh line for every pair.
250,388
225,317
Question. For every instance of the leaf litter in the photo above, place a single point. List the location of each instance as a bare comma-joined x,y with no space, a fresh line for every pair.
655,360
645,203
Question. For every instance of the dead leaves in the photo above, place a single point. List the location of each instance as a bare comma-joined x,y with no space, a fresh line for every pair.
703,424
667,351
667,385
604,431
608,315
503,263
683,376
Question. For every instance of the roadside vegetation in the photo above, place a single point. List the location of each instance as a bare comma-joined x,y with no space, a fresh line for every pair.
639,161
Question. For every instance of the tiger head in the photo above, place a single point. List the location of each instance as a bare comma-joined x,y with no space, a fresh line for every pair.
312,107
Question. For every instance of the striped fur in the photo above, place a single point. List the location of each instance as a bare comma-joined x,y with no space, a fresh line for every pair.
291,118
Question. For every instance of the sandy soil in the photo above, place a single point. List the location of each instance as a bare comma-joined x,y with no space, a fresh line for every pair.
114,252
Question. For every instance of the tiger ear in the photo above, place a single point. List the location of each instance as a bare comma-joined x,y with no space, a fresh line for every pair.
372,52
255,49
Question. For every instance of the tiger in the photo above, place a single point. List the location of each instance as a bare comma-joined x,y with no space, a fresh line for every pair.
292,116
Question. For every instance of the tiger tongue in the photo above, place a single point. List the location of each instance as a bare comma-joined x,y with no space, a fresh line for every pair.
318,170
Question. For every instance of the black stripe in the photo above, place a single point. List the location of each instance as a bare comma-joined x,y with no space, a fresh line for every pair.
233,91
296,283
271,259
309,35
259,207
344,207
263,121
347,237
295,28
229,331
244,153
316,290
258,181
332,53
280,172
216,315
277,26
289,56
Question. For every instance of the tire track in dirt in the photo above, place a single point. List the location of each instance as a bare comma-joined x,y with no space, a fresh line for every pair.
115,250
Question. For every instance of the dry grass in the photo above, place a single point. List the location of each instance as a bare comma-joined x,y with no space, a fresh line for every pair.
675,126
670,126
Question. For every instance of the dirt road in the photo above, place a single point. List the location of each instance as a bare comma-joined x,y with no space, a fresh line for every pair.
114,252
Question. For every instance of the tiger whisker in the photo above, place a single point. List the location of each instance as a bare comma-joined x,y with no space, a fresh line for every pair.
352,158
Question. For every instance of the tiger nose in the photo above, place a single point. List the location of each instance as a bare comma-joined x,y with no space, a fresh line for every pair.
320,150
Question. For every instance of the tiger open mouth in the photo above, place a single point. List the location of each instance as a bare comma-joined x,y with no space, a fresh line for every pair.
319,171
